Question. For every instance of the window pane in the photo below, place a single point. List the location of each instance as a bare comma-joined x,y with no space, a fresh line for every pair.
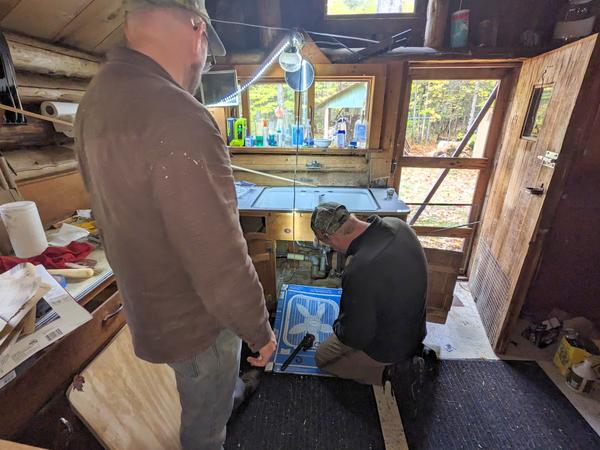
273,102
443,243
440,113
343,7
458,187
441,216
335,100
536,113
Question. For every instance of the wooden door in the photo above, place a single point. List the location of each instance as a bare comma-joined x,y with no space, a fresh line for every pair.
509,243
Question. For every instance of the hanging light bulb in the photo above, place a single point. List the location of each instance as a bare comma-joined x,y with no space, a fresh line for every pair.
291,60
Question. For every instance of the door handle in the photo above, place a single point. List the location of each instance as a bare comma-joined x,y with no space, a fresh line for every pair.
539,191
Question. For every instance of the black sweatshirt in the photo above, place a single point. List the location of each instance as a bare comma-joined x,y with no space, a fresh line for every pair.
382,309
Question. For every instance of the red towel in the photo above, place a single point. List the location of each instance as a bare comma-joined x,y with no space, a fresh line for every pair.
52,258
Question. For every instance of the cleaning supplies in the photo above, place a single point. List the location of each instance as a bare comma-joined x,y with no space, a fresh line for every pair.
360,132
308,135
341,132
240,128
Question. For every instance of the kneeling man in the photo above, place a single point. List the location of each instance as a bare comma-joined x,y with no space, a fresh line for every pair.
381,326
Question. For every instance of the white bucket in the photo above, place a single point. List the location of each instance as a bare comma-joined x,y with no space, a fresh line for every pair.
25,229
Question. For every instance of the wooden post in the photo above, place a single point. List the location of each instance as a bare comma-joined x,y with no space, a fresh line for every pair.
437,18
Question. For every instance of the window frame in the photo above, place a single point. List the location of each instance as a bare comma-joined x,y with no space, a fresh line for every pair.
506,74
367,16
374,74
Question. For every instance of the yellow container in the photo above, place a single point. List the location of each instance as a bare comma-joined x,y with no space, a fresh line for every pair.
567,355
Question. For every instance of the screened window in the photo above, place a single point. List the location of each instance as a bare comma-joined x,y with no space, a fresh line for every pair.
360,7
339,100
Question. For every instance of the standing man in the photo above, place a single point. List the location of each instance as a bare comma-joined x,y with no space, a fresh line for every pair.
380,330
163,194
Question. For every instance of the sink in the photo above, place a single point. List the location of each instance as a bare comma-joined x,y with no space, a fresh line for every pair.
306,198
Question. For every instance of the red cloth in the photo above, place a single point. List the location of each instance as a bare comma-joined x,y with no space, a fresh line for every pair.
52,258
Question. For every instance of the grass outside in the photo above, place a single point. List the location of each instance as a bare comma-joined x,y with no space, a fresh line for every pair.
344,7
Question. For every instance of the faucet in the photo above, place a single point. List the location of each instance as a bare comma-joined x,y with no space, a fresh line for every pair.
314,164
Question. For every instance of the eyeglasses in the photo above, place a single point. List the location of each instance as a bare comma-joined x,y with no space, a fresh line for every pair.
196,23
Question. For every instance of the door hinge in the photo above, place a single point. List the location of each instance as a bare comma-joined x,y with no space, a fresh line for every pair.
549,159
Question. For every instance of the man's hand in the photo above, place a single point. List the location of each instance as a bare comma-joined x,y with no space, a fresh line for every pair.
264,354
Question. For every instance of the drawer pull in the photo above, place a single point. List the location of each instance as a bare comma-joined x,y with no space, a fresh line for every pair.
112,314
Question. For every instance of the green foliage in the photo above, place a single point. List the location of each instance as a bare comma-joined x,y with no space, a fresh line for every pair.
340,7
442,109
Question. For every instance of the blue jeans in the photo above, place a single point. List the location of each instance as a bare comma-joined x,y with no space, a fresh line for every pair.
207,384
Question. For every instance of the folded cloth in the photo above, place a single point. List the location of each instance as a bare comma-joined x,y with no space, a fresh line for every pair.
52,258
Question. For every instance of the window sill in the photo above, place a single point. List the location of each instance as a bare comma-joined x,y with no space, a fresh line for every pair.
301,151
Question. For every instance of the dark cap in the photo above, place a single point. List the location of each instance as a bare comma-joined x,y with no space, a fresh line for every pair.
329,217
215,45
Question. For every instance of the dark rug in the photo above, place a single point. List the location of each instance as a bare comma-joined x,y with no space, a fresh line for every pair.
294,412
497,405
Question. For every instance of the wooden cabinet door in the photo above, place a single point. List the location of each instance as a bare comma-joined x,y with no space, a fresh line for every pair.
509,242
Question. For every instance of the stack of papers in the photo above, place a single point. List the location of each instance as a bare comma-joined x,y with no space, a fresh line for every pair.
21,333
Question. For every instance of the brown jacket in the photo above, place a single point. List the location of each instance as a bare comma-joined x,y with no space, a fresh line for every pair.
163,194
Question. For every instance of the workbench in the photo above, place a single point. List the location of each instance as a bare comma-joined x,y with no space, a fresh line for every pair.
32,403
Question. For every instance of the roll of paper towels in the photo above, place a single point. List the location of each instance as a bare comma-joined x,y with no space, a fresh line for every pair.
63,111
25,229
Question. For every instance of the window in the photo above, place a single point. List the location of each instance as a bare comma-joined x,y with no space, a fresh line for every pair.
359,7
339,100
536,112
274,102
440,114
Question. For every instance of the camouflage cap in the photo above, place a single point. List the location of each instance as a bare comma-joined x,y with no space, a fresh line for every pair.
215,46
329,217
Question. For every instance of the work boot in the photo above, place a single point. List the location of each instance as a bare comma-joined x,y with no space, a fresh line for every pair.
246,385
431,362
407,379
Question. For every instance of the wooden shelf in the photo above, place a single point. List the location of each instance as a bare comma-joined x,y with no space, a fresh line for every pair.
301,151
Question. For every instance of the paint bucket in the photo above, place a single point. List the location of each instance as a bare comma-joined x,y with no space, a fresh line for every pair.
459,28
24,227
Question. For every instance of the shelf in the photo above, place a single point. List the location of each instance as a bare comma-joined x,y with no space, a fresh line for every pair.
301,151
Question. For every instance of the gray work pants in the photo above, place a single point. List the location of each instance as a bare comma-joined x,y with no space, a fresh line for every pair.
345,362
207,384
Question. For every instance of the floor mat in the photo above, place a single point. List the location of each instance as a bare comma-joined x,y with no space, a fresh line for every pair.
292,412
497,405
302,310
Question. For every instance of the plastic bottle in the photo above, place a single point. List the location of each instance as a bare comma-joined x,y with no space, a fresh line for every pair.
265,131
341,132
341,139
308,135
360,132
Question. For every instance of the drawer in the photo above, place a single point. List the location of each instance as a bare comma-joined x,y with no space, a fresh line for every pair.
55,367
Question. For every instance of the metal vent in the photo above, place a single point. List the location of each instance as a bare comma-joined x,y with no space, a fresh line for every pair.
490,288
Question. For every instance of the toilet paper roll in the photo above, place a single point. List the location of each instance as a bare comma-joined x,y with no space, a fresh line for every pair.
63,111
25,229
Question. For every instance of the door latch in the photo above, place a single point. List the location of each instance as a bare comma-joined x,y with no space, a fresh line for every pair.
549,159
539,191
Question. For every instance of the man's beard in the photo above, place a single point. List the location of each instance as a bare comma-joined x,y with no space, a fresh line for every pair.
194,77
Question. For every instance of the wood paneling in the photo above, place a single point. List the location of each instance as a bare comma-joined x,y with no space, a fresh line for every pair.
443,268
37,19
56,197
90,28
510,226
334,170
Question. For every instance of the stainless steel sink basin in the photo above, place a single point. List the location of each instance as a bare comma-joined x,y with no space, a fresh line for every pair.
306,198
